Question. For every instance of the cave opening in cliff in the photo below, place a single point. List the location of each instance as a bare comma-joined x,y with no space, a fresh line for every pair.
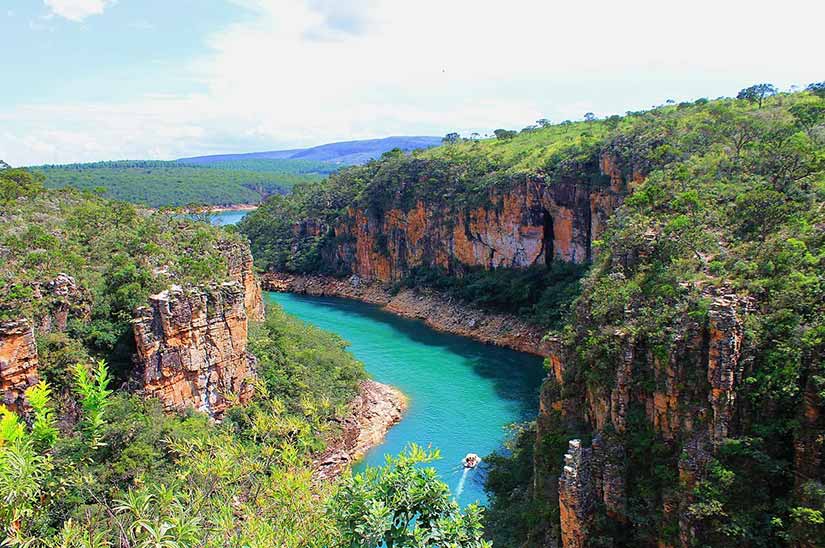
547,236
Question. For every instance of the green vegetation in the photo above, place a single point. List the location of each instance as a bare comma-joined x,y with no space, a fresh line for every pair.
732,204
402,504
92,465
159,184
539,294
127,474
117,254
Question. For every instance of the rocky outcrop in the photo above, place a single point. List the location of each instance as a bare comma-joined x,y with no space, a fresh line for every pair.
375,409
688,398
191,348
241,269
18,361
532,223
575,496
519,221
437,311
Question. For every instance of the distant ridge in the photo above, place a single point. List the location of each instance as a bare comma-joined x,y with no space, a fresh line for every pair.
344,153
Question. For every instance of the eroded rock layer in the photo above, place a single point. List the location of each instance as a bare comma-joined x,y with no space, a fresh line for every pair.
375,409
191,348
531,223
240,268
18,361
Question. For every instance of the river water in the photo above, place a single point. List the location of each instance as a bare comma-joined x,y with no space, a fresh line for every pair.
462,394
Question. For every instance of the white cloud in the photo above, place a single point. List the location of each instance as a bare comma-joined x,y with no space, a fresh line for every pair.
77,10
304,72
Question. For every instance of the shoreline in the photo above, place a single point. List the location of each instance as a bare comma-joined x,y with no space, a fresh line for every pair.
436,310
377,408
233,207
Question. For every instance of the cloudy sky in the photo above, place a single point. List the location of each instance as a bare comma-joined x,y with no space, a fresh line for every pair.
87,80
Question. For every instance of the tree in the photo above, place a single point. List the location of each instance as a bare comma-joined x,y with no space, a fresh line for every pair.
589,117
543,122
757,93
18,183
817,88
451,138
808,115
504,134
403,504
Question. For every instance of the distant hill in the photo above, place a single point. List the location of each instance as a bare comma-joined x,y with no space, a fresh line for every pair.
344,153
157,183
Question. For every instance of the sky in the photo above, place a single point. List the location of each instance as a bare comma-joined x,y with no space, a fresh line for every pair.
89,80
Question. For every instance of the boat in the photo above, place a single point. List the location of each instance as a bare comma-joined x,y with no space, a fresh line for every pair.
471,460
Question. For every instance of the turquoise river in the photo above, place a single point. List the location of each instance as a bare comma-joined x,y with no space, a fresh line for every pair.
462,394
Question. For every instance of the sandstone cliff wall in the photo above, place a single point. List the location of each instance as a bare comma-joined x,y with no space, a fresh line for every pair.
530,222
18,362
688,398
437,311
241,269
191,348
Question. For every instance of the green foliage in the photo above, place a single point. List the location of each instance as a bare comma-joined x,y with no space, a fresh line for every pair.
757,93
117,254
304,366
164,184
403,504
514,513
93,389
539,294
44,423
18,183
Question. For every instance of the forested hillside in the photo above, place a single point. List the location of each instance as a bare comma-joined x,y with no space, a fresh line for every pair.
159,184
685,398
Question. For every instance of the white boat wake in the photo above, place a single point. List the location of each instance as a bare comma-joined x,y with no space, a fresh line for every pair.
460,488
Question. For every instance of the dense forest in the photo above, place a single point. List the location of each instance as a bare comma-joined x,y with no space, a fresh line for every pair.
722,218
159,184
88,463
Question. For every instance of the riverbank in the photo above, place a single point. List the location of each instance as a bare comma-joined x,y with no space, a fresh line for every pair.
233,207
376,409
438,311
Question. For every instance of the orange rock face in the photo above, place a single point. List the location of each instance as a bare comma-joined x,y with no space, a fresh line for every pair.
18,362
532,223
240,268
191,348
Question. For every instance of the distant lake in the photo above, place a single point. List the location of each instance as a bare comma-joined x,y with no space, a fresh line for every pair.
223,218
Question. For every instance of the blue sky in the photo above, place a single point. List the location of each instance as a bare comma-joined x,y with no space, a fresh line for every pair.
103,79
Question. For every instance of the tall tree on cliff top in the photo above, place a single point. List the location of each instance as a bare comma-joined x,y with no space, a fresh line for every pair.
757,93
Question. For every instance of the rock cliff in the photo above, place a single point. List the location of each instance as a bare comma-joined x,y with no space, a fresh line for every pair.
191,348
531,223
687,398
18,361
240,268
